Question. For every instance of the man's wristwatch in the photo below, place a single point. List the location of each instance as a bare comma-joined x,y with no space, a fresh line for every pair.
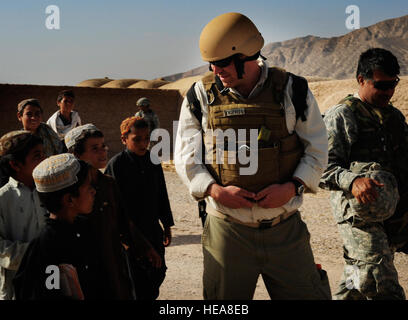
299,187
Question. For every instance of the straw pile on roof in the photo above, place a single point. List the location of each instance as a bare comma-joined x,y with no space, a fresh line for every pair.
149,84
122,83
182,85
95,83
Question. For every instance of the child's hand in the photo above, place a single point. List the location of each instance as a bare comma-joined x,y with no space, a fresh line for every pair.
167,236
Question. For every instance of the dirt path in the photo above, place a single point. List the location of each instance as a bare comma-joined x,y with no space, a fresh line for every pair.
184,256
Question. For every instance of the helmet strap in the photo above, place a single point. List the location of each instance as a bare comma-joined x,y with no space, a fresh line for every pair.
239,63
239,66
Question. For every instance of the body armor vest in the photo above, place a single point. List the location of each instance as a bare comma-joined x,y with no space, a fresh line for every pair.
278,155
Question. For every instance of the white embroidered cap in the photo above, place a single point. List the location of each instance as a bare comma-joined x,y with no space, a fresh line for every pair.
56,173
74,135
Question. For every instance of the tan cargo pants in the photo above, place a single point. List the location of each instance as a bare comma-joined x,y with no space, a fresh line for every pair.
235,255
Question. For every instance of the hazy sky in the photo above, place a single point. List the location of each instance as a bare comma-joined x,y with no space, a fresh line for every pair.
151,38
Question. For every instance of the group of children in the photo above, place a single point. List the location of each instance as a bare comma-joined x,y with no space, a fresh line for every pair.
69,231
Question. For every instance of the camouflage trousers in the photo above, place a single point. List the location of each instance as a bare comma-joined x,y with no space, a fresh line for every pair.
369,272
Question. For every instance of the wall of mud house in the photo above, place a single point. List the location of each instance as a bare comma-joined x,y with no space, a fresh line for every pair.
104,107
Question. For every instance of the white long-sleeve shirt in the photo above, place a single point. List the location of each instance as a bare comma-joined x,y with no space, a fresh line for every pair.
21,219
311,132
59,127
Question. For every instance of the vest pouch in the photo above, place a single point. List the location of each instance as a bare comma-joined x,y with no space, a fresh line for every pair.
291,151
265,175
290,143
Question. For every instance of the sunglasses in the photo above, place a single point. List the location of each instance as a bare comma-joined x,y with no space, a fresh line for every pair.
223,62
385,85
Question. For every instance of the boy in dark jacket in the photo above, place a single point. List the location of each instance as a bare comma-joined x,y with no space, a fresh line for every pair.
144,192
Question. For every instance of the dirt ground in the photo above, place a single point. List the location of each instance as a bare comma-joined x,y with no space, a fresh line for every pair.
184,256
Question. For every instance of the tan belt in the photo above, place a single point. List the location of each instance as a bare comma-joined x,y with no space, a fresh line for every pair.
263,224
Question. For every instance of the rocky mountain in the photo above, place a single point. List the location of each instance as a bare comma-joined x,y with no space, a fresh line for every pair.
334,57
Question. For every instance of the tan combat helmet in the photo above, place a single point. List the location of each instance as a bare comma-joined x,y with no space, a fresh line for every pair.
229,34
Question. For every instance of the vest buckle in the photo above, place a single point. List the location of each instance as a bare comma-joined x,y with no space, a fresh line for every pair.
265,224
275,144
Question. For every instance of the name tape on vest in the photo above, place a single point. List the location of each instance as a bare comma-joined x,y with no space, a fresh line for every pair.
234,112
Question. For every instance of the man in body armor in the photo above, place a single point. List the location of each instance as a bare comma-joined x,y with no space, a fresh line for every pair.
367,134
253,225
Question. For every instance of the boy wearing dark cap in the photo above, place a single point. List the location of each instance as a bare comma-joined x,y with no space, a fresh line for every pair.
108,223
21,215
144,192
29,113
58,264
65,119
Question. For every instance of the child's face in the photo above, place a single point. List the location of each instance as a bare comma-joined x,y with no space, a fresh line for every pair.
84,202
96,152
66,104
31,118
33,158
137,141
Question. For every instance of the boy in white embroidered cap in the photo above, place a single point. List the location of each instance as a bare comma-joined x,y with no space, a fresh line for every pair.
78,133
64,187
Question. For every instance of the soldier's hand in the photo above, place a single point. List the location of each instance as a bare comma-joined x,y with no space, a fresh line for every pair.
363,189
167,236
232,197
275,195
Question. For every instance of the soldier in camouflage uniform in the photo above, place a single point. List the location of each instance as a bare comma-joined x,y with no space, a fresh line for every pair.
367,175
148,114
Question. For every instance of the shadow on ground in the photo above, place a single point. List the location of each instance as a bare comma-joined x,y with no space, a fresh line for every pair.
186,239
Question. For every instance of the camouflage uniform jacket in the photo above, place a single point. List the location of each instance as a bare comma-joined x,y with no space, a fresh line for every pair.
343,133
151,118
